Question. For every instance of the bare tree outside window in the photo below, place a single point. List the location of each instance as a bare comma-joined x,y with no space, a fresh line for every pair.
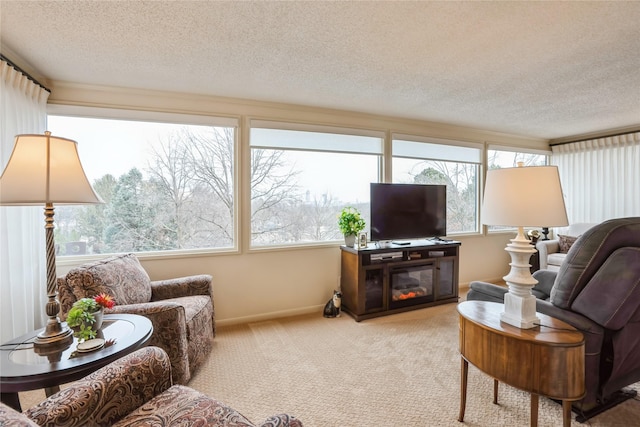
300,198
178,195
460,179
275,197
510,159
461,182
497,159
184,199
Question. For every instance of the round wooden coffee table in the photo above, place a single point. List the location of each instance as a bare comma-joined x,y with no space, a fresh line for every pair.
23,367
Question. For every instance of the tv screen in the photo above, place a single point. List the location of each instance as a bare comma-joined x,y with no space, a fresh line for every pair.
408,211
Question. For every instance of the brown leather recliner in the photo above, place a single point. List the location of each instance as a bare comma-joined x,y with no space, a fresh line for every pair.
597,290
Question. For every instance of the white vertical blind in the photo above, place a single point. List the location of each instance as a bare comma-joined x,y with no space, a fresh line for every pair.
600,177
23,109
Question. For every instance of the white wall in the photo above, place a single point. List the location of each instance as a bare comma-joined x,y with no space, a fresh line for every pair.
253,285
262,285
256,286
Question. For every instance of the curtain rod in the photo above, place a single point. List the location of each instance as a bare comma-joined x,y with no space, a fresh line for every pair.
23,72
629,132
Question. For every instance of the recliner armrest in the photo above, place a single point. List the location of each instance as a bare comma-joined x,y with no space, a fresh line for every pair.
546,247
578,321
108,394
181,287
546,279
169,332
483,291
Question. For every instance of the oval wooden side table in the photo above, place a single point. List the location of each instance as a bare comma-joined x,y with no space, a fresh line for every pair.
547,360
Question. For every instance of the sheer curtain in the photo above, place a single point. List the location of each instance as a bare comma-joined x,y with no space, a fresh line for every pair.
600,177
23,109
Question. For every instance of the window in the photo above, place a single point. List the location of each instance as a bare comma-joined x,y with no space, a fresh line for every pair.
167,185
509,157
435,161
302,176
505,157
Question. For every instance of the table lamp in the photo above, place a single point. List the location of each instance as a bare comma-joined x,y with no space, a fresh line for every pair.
522,196
45,169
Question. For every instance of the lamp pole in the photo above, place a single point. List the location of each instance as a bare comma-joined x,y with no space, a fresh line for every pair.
54,332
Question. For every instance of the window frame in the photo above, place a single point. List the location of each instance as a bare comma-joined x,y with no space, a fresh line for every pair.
493,230
463,148
124,114
242,125
259,123
518,150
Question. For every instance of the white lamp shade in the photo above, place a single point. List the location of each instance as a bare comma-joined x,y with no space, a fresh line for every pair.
45,169
524,196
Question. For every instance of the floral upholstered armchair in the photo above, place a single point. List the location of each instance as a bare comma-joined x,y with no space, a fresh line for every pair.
181,310
134,391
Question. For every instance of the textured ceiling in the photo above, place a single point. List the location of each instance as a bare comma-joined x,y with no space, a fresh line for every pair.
540,69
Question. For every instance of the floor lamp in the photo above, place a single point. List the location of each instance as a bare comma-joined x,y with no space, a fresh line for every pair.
519,197
44,170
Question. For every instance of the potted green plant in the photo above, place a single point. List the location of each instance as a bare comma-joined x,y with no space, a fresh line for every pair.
350,223
85,316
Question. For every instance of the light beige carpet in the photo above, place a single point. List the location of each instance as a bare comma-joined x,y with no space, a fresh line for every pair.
399,370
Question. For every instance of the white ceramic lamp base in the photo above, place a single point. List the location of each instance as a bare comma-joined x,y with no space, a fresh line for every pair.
519,303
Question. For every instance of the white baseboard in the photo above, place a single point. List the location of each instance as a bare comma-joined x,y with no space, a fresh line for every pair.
464,287
270,316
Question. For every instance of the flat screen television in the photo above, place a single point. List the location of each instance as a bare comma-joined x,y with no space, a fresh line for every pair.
408,211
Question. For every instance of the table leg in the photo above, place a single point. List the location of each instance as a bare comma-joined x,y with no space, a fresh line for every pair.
566,413
12,400
48,391
464,370
534,410
495,392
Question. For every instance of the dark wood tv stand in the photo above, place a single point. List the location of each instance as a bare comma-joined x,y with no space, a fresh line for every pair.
377,281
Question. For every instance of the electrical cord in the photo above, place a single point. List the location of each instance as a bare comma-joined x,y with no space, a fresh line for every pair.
552,327
16,345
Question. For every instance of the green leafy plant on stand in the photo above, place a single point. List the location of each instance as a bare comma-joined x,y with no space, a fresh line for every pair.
350,221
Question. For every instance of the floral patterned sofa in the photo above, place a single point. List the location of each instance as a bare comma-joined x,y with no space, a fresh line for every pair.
133,391
181,310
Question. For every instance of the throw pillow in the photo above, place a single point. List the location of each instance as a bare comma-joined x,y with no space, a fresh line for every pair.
120,276
565,242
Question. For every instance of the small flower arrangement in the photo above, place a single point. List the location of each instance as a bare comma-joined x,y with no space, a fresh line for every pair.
350,221
105,300
82,316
